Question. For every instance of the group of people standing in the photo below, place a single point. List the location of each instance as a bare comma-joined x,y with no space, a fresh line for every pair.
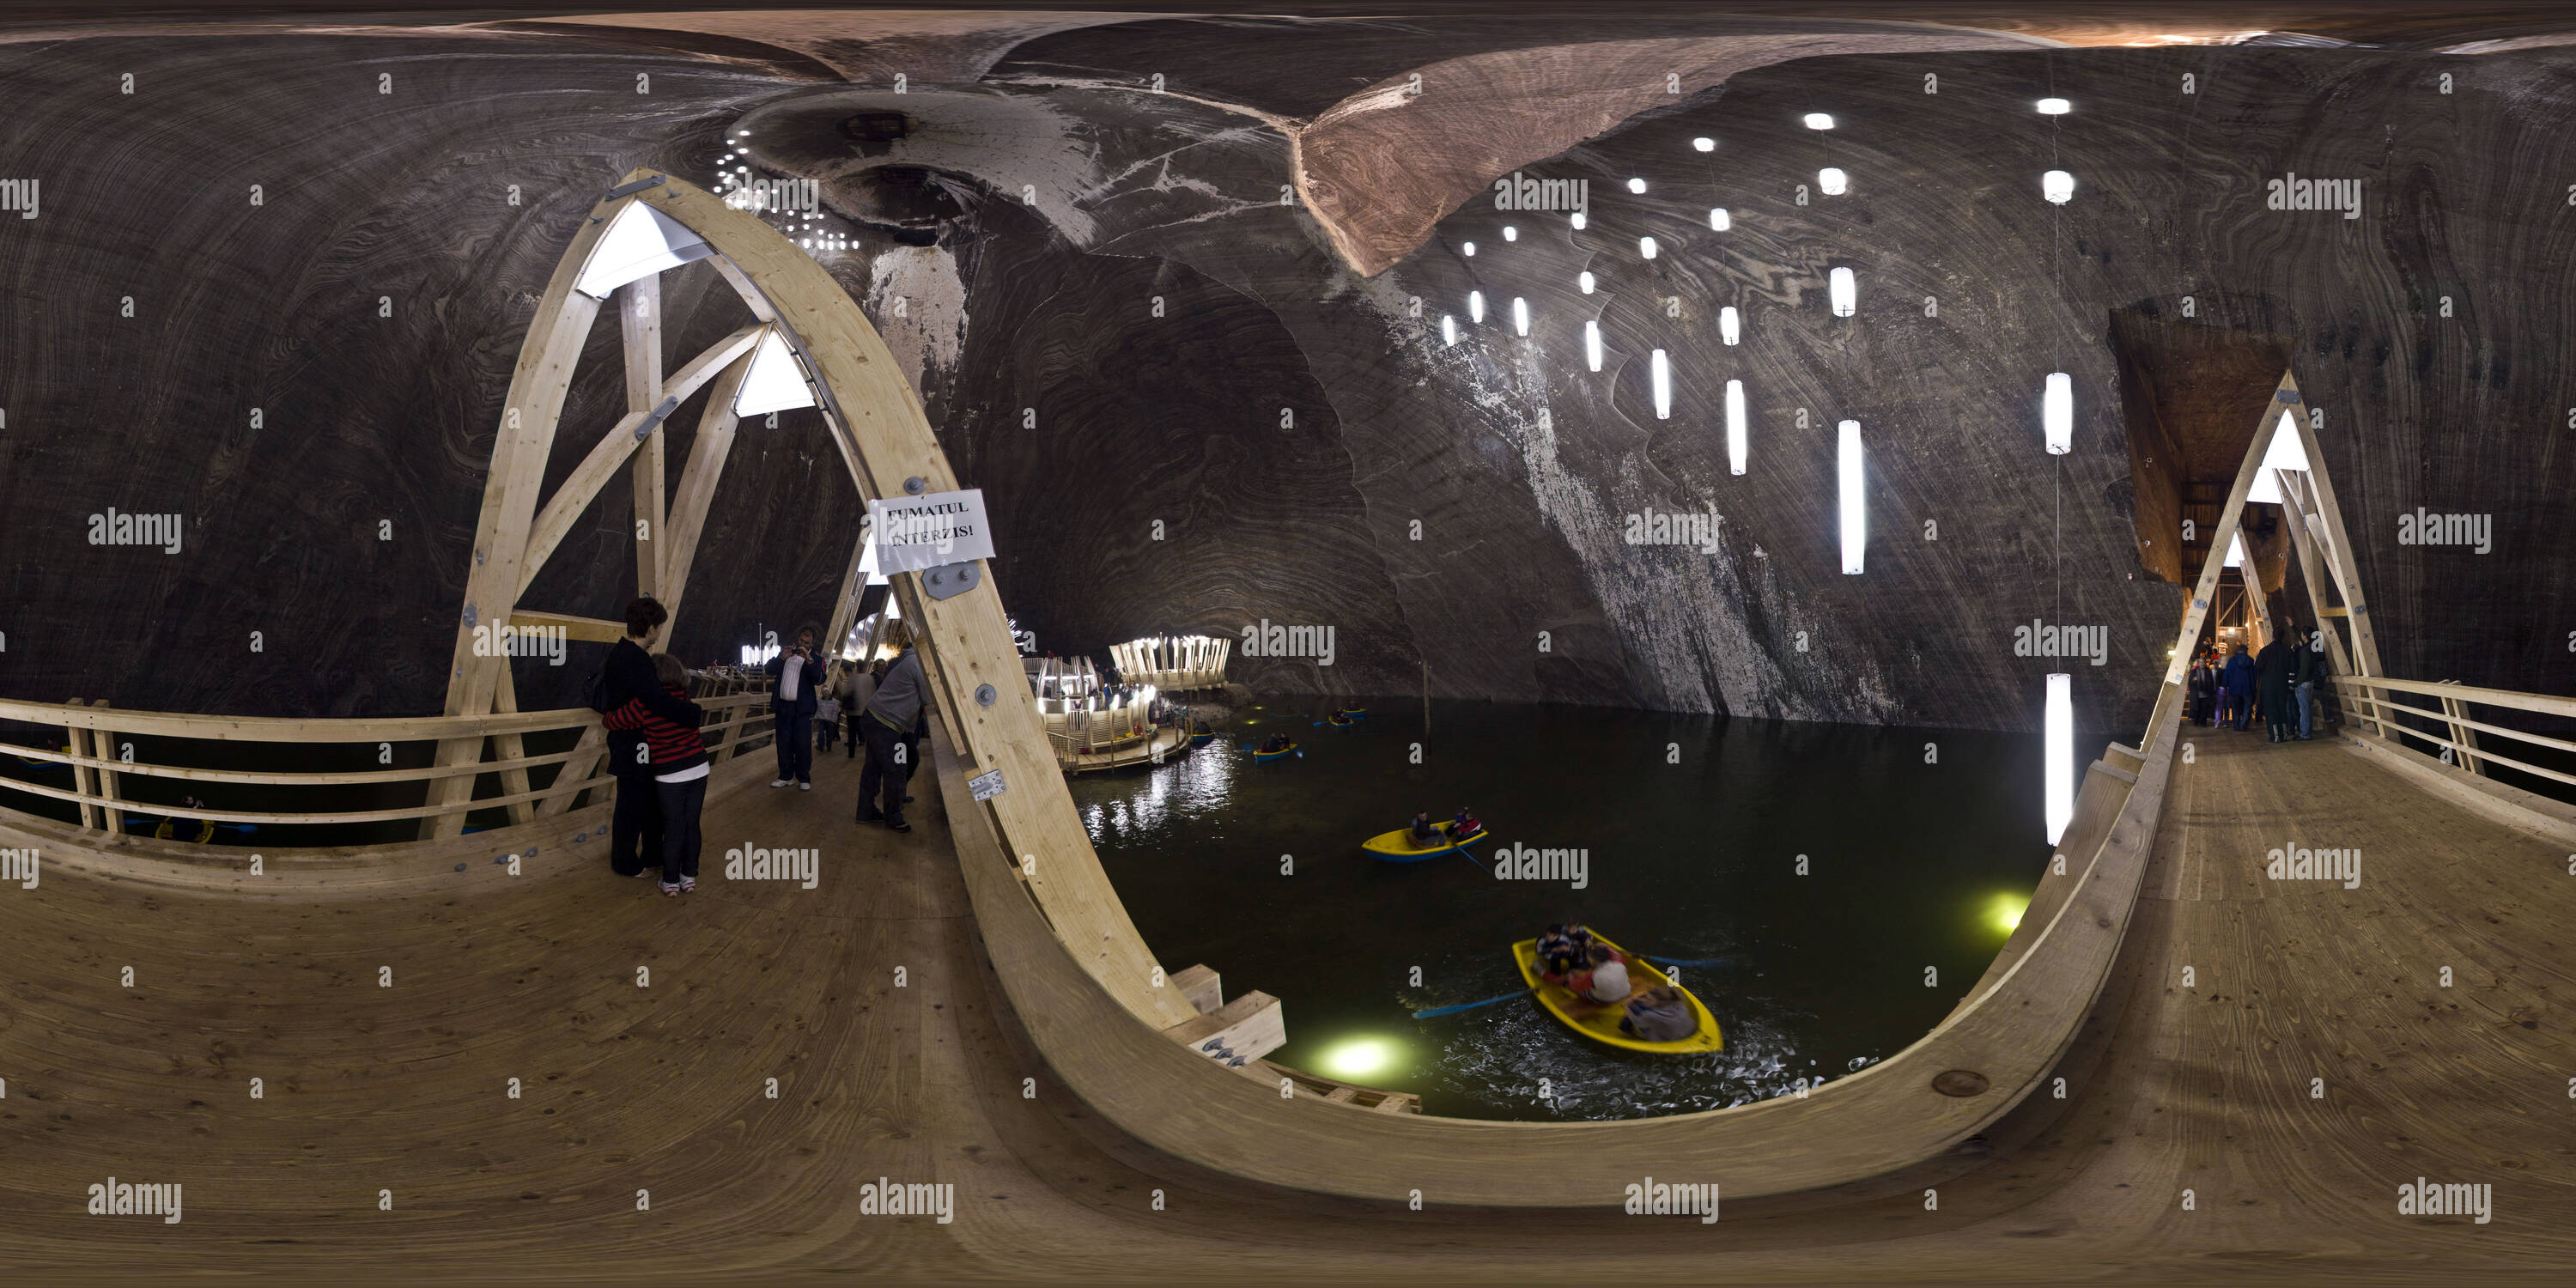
2278,686
816,704
659,757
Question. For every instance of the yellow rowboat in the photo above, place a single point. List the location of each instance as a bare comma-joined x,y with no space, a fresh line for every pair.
1601,1024
1398,846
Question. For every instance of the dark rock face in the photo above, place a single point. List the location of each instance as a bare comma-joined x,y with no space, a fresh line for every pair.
1189,410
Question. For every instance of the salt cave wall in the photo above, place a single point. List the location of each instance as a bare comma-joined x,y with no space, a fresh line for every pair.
1120,306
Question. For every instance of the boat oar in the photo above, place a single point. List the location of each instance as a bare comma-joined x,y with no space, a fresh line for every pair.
1437,1011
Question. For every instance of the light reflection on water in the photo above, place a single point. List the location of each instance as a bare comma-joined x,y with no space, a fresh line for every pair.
1687,861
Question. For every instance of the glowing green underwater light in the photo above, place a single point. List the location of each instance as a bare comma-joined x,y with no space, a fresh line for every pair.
1359,1057
2004,911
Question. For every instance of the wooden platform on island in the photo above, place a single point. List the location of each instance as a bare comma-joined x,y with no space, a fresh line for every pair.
1154,748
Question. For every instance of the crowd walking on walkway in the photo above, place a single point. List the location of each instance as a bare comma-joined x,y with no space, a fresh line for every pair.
2279,687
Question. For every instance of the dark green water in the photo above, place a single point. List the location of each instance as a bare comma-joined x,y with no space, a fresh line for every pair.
1906,862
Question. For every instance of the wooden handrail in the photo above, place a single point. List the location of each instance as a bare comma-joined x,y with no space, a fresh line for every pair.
2481,753
2545,704
277,729
740,717
2447,718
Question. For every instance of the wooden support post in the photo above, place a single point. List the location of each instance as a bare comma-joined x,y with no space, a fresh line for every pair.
2304,543
639,317
84,779
2338,544
112,800
510,746
2465,738
698,479
854,582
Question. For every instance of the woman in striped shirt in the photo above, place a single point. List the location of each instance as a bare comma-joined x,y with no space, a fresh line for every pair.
679,771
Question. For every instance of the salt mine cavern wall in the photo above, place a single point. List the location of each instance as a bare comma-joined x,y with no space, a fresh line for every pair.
1124,325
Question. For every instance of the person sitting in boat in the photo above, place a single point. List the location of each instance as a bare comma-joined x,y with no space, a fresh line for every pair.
1603,983
1275,742
1464,824
1557,955
1660,1014
1422,832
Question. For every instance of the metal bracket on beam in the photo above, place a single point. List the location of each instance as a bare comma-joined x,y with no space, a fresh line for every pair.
654,418
654,181
947,581
2286,395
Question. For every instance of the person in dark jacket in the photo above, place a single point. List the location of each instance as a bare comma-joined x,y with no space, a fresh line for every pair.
795,688
2272,681
2236,682
679,757
2307,665
2204,692
887,723
635,830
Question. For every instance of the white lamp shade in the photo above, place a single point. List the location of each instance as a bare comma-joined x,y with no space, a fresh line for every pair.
1663,377
1730,325
1845,290
1520,316
640,241
1719,220
2057,186
1592,345
774,383
1832,181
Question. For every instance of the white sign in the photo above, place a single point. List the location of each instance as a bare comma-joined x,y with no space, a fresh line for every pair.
986,785
917,532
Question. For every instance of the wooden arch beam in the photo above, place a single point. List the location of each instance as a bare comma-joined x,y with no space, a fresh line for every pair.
876,421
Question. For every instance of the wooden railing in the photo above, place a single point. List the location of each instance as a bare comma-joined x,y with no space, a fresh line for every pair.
106,764
2366,697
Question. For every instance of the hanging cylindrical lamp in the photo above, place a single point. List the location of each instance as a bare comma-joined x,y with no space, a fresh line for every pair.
1855,519
2060,750
1735,425
2057,412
